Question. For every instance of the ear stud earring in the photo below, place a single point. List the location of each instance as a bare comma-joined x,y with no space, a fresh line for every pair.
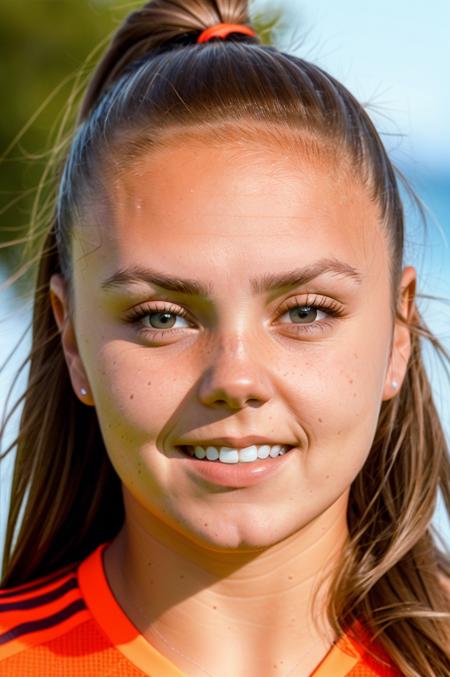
394,384
83,391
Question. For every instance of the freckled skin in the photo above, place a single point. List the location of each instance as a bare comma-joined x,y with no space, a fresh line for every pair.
235,370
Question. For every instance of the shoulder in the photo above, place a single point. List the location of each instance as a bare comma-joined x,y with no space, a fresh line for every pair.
40,611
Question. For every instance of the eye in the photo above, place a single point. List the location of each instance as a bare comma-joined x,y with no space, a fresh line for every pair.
306,314
310,314
158,321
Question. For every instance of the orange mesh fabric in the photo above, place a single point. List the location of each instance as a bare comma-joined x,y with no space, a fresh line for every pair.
81,652
70,624
372,659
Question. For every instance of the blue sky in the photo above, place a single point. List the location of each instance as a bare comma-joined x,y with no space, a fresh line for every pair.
393,53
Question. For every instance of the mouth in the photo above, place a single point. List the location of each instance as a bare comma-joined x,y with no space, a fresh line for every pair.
235,468
229,455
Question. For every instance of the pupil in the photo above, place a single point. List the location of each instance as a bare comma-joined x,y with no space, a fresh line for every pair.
303,312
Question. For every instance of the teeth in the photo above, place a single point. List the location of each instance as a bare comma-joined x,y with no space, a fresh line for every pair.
199,452
263,451
211,454
228,455
275,450
246,455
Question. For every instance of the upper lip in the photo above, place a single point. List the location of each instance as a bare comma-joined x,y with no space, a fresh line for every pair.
234,442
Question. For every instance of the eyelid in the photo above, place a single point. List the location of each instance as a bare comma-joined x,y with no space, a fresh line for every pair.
323,302
308,299
144,309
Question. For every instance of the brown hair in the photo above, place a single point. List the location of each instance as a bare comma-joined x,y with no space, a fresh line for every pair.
155,80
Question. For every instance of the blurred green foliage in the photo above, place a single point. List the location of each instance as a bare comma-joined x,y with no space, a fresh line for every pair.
44,46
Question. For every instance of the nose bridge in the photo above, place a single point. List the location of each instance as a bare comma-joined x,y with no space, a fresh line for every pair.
235,372
234,343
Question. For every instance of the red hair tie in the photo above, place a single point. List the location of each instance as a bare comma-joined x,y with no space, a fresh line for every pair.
222,30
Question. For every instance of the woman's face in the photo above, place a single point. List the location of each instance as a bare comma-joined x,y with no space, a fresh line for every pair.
307,364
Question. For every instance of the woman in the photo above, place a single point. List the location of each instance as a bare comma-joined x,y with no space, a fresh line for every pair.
248,492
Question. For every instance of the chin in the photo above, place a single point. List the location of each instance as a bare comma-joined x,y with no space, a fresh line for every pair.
221,534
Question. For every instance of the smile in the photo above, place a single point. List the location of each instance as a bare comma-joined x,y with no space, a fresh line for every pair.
231,455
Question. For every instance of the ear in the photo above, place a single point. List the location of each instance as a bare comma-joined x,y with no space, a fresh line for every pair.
401,340
59,299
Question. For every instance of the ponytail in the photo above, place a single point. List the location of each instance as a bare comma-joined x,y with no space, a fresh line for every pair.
158,26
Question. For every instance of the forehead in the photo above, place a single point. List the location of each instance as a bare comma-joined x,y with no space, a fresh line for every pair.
230,204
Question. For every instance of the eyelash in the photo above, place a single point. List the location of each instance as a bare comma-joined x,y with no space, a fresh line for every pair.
317,303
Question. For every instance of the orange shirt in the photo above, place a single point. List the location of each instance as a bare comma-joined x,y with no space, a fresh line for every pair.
69,623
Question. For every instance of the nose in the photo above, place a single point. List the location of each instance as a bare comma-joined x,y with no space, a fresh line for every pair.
235,377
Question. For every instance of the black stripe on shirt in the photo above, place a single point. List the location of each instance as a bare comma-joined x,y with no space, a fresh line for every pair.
35,585
39,600
42,623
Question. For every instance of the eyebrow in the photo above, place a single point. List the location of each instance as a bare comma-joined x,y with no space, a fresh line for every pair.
259,285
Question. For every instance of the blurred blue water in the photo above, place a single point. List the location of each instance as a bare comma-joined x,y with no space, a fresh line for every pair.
431,257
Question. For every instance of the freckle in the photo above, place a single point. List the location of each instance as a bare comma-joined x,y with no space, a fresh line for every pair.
351,380
205,524
338,432
320,420
327,477
149,564
214,606
181,576
291,578
149,383
355,355
354,394
131,397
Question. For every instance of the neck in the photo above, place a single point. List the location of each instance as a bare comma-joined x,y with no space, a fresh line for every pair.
240,600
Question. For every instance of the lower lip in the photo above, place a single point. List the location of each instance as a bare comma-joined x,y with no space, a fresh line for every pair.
234,475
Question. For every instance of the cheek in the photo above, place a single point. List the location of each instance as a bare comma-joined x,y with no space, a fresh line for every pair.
336,390
135,398
134,388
